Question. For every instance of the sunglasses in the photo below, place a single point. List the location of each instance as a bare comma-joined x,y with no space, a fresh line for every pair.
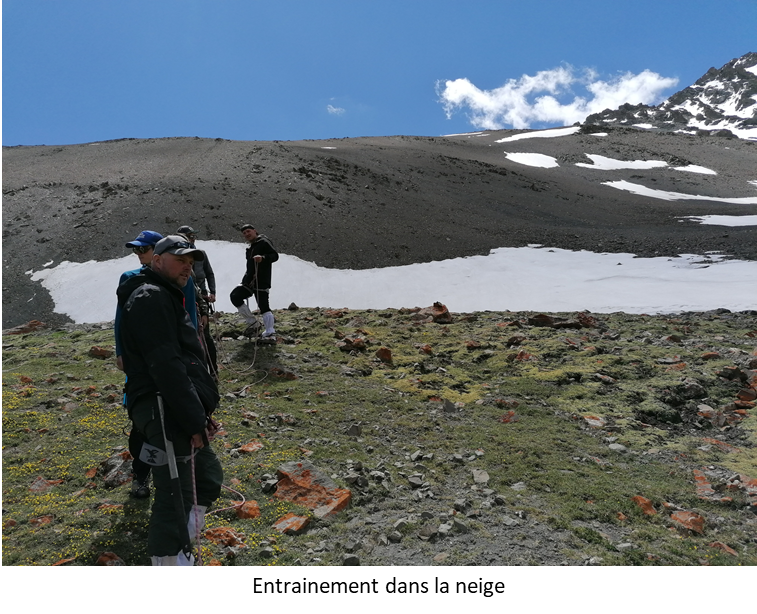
142,249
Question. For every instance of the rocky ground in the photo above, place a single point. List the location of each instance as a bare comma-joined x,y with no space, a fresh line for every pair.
461,439
363,202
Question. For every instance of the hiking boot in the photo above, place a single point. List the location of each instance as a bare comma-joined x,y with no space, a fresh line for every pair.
140,490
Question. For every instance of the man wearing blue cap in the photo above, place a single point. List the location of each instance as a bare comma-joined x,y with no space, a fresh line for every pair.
142,247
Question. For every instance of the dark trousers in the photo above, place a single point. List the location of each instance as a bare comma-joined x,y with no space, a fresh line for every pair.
241,293
141,470
163,534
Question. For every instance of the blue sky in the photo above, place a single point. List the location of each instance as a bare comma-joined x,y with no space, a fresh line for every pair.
77,71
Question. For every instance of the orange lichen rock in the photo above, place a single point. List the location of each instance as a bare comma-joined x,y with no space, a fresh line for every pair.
645,505
291,524
303,484
689,520
109,559
250,447
224,536
248,509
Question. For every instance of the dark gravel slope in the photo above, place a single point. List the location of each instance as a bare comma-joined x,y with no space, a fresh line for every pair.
363,202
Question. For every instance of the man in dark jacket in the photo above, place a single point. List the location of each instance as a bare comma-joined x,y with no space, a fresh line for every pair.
163,361
204,276
261,254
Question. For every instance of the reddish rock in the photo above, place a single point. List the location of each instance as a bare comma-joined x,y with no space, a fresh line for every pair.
22,329
725,447
747,394
384,355
514,323
224,536
63,562
521,356
704,488
291,524
99,352
25,379
586,320
515,340
41,520
248,509
334,313
109,559
506,403
472,345
250,447
425,349
9,523
710,356
689,520
645,505
438,313
724,548
622,517
40,484
508,417
301,483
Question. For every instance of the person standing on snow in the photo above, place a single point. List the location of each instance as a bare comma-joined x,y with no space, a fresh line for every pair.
260,255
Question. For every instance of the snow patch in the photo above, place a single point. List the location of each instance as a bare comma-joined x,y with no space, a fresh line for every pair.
541,134
533,159
723,220
693,168
603,163
641,190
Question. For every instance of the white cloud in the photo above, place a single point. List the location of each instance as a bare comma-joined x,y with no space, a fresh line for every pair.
335,110
548,97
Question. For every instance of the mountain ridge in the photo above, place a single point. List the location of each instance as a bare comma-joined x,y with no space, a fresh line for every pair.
723,99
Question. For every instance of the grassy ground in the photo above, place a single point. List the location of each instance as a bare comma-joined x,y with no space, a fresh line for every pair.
527,404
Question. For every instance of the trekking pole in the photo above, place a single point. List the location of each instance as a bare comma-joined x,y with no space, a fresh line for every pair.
178,500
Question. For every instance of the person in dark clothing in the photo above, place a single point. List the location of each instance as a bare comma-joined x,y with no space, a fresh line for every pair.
260,255
142,247
204,276
202,272
164,364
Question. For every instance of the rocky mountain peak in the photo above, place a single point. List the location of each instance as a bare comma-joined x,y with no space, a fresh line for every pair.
723,101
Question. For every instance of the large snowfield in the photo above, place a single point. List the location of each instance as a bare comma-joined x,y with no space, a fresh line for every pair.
517,279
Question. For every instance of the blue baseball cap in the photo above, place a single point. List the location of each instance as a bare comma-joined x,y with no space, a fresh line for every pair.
145,238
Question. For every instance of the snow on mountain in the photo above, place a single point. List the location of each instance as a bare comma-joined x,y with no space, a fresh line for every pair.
723,101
